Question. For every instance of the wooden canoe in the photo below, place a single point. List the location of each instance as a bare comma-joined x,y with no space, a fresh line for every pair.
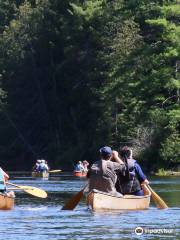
40,174
6,202
80,174
97,200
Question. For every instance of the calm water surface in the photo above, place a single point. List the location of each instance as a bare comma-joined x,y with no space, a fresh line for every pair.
34,218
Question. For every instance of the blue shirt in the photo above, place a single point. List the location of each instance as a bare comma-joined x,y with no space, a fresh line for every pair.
139,172
2,185
79,167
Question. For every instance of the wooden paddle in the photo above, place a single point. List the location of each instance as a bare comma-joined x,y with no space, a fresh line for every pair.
73,202
156,198
55,171
31,190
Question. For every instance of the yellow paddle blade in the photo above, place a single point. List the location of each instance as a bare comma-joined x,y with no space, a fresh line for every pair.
37,192
73,202
55,171
156,198
31,190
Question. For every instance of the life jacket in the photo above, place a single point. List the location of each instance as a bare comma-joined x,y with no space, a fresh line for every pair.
128,183
42,167
79,167
2,185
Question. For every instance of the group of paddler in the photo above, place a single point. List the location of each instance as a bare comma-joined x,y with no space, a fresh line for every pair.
81,168
7,194
117,174
42,170
41,165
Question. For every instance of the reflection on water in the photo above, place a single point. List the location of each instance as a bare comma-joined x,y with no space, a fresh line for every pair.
35,218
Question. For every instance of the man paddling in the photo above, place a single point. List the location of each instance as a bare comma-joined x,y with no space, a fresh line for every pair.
102,174
3,179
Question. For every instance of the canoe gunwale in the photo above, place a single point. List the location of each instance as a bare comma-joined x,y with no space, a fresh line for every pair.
124,196
98,200
6,196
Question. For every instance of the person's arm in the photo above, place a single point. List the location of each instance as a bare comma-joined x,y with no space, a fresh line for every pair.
116,157
46,166
82,167
141,176
6,176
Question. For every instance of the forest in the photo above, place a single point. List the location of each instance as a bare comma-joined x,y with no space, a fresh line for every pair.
79,74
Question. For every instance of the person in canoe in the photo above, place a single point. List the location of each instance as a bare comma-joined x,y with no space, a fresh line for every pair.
43,167
103,173
85,165
130,183
36,166
79,167
3,179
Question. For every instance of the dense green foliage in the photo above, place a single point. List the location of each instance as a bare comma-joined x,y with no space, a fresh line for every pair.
79,74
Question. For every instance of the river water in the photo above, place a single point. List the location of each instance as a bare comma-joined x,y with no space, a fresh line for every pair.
35,218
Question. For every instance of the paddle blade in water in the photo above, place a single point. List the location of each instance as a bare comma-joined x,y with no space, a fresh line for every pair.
73,202
158,201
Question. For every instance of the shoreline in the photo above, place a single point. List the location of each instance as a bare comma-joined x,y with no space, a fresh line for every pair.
160,173
167,173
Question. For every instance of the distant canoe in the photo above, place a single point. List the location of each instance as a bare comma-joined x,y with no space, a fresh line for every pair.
40,174
97,200
6,202
80,174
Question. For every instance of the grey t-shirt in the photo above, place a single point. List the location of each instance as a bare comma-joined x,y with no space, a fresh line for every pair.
102,176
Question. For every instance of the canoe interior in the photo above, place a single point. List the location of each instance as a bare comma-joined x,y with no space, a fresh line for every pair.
40,174
97,200
6,203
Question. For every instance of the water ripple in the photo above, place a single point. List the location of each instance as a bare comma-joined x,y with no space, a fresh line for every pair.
35,218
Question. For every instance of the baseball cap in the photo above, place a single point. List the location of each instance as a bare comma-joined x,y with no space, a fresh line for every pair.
106,150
